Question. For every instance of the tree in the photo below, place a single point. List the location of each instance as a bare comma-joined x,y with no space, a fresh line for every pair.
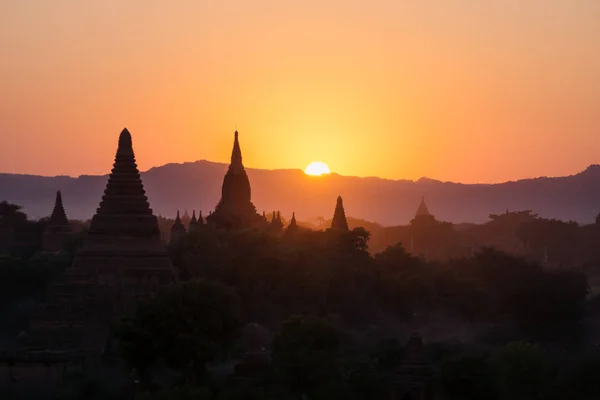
307,353
522,371
186,327
468,378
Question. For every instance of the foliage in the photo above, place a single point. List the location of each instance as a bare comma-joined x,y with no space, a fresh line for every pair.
522,371
468,378
186,327
307,353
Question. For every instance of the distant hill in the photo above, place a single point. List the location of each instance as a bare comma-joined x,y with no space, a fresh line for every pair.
197,185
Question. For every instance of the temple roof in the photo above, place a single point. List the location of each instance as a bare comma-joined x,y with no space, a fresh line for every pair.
293,226
178,225
124,210
236,153
235,209
339,221
58,216
193,220
422,210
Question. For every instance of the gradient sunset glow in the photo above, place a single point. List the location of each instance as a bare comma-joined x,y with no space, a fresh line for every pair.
469,91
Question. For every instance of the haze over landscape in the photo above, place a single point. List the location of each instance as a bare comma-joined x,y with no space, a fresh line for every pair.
275,200
472,92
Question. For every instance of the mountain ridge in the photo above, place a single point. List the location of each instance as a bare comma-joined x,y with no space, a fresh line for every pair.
196,185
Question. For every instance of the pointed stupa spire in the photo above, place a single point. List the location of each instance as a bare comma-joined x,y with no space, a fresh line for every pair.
124,209
200,218
339,221
178,229
193,224
236,153
57,230
58,216
293,226
422,210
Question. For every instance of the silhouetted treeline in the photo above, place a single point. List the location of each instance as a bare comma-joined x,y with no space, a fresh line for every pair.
308,314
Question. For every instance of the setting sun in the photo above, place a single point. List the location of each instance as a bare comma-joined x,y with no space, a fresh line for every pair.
317,168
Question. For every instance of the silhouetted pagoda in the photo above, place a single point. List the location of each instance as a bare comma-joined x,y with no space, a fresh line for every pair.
122,261
178,229
57,230
423,216
193,225
339,222
293,226
235,209
276,225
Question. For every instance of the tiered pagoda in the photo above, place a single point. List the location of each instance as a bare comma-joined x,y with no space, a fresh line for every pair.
122,261
339,222
235,209
57,230
178,229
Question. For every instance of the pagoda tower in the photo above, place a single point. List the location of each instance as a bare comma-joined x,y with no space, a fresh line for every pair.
193,225
178,229
339,222
276,223
423,217
122,261
57,230
293,226
200,218
235,209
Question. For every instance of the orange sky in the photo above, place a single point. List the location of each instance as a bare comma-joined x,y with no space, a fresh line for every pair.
462,90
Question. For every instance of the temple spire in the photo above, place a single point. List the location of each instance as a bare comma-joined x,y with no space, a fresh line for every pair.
422,210
178,229
236,153
293,226
339,221
58,216
235,209
57,230
125,143
193,225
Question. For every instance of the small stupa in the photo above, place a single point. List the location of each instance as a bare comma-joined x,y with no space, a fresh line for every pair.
339,222
57,230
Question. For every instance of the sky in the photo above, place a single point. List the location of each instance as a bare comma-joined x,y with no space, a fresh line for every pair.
459,90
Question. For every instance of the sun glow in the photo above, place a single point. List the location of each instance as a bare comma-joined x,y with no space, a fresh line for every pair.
317,168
